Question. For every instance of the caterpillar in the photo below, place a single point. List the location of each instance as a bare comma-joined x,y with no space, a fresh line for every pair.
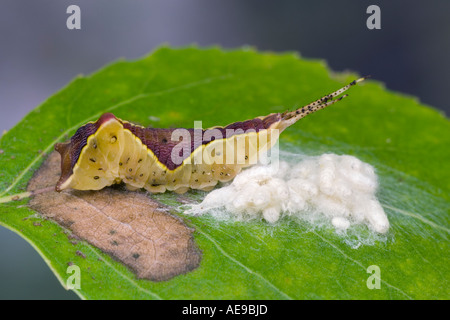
111,150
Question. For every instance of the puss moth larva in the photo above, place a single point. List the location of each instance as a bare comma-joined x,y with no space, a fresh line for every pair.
112,150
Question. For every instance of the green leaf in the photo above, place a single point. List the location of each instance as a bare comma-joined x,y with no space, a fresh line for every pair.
407,142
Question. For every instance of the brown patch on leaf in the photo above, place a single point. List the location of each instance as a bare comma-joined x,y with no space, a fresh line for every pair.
129,226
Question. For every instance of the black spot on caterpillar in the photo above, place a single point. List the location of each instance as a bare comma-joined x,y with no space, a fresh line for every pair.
112,150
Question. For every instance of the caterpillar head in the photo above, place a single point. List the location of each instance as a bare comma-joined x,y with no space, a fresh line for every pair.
82,165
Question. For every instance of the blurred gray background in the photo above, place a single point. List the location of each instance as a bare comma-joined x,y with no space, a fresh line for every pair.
39,56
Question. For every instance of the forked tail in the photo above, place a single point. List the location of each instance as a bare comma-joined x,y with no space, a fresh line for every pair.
290,117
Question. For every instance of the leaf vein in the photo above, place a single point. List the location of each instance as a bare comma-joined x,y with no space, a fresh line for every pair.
417,216
359,264
241,264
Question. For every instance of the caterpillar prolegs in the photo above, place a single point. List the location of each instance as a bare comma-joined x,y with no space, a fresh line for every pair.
111,150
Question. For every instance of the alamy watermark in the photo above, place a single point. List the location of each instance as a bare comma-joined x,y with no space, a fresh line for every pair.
74,280
374,20
74,20
374,280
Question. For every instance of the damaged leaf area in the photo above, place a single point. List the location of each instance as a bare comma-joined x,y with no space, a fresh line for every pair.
129,226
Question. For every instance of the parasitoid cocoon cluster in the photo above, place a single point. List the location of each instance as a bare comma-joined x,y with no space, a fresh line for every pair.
338,188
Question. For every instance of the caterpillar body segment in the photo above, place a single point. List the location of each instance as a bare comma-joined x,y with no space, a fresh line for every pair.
112,150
